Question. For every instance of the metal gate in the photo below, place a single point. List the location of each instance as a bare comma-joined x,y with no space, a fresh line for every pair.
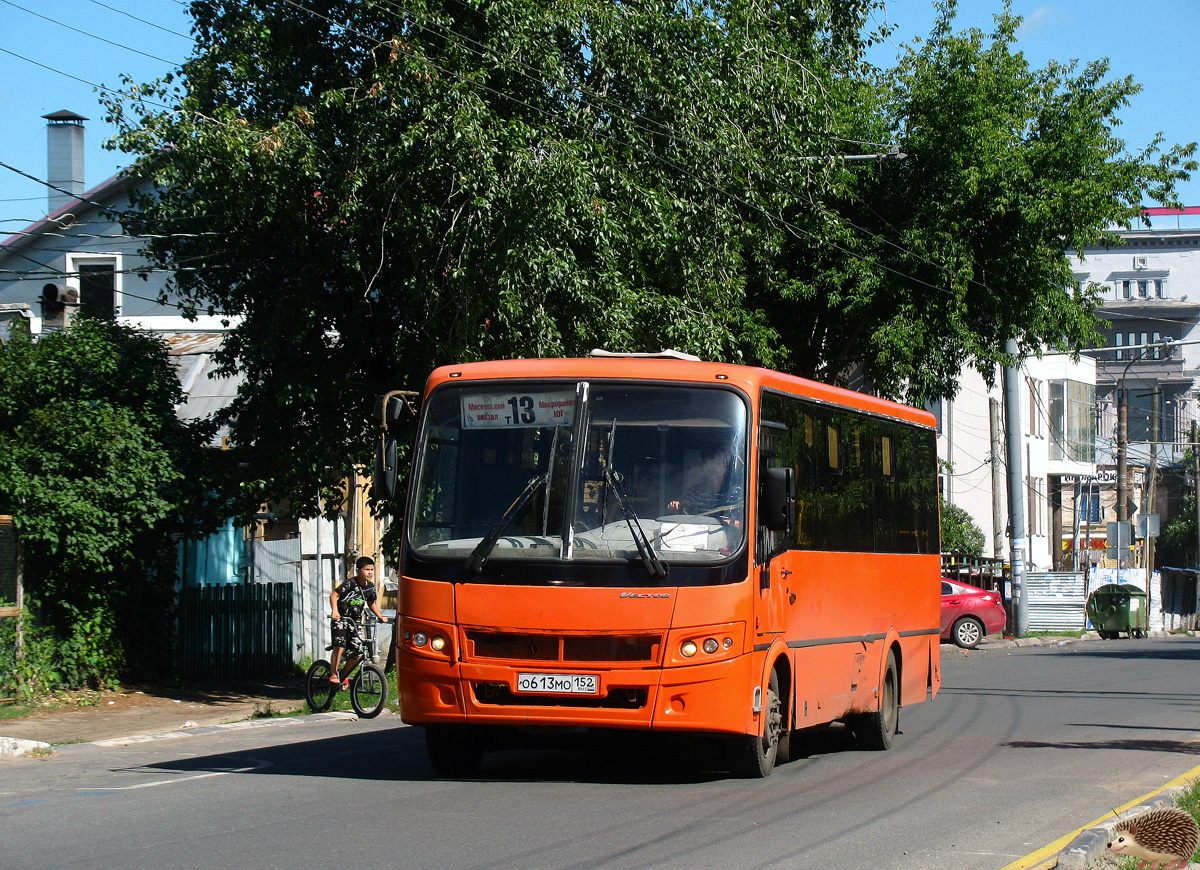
235,631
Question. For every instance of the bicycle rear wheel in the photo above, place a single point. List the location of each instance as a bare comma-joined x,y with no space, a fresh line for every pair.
318,691
368,692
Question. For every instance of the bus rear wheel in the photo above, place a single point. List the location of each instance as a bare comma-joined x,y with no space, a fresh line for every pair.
754,756
877,730
454,750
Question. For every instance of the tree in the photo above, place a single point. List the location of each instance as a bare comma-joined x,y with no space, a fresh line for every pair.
375,189
966,242
960,533
378,189
96,471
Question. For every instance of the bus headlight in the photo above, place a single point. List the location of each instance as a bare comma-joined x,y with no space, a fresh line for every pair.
702,644
425,639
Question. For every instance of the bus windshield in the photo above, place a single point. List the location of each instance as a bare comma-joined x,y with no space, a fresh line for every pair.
582,472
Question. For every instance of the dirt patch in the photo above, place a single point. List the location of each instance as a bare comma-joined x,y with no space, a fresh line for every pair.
84,717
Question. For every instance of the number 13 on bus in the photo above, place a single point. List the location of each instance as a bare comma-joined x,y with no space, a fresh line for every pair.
655,543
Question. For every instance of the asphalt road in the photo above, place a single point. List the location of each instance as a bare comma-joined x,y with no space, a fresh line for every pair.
1021,747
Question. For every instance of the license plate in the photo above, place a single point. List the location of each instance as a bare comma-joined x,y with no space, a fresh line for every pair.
558,684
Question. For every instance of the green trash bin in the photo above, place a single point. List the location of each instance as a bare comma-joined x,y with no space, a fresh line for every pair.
1118,607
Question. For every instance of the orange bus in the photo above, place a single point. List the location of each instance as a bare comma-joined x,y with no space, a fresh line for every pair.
654,542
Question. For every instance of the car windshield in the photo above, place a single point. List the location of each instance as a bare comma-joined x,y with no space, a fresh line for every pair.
580,472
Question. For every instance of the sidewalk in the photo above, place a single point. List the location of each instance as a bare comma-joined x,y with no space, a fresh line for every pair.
150,709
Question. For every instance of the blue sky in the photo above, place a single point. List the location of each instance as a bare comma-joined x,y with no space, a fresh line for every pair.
1156,41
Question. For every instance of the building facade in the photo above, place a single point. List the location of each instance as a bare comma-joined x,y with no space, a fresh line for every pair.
1056,416
1150,362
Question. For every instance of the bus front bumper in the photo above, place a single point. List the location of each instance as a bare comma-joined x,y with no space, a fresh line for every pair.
714,697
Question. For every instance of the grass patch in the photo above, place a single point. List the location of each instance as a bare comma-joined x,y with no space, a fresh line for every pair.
342,700
13,711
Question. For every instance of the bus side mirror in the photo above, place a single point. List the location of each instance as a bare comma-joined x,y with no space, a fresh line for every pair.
389,408
383,484
777,500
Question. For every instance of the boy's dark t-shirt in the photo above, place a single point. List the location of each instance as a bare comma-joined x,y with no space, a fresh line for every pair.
353,599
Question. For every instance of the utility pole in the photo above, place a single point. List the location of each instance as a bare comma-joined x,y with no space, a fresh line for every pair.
1122,455
1016,488
997,480
1196,486
1152,483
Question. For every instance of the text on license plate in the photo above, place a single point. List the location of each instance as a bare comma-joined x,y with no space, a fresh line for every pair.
570,684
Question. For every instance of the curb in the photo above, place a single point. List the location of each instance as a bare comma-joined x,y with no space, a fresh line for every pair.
1091,843
12,747
1060,640
1080,849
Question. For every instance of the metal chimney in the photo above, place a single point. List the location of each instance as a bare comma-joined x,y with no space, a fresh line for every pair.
64,157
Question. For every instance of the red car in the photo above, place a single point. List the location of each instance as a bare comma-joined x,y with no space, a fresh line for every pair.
969,614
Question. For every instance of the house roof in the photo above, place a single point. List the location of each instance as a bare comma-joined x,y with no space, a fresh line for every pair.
88,201
205,392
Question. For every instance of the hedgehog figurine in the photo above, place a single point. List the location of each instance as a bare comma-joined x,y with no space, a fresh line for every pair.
1167,837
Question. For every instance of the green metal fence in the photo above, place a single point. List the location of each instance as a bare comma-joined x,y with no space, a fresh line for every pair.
236,631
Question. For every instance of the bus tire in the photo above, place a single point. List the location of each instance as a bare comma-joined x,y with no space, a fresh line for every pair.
454,751
753,756
876,731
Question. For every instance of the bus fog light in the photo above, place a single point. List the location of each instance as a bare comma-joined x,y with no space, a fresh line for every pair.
727,643
438,643
420,638
688,648
711,645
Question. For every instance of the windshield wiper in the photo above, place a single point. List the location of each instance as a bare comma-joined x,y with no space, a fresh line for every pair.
654,565
484,548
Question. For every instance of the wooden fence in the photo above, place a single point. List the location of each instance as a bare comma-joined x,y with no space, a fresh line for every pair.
242,630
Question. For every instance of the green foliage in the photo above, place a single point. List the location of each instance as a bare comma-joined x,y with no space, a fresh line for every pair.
960,534
1010,171
1176,545
33,673
98,472
376,190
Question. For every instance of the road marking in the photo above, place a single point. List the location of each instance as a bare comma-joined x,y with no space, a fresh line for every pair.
101,789
1047,856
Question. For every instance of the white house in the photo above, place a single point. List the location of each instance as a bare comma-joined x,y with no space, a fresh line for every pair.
1057,414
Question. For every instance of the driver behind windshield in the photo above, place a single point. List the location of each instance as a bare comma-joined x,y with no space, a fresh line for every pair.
713,488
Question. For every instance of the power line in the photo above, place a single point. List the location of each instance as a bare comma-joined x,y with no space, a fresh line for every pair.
86,33
143,20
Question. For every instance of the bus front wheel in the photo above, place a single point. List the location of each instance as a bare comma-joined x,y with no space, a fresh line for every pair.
454,751
754,756
877,730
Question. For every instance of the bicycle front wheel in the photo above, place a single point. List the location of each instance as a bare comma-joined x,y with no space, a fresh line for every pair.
368,692
318,691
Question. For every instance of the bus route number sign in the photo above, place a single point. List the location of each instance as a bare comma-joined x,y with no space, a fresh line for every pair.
517,410
558,684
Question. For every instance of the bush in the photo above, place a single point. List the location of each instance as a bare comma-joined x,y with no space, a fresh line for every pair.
959,532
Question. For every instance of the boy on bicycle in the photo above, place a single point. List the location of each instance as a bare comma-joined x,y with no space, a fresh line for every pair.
348,601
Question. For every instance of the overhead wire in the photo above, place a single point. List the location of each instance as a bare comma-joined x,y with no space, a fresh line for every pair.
87,33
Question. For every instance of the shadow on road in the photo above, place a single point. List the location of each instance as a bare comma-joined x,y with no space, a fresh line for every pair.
398,754
1180,746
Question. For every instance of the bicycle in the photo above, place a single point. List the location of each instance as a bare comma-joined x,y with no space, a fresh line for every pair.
368,685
